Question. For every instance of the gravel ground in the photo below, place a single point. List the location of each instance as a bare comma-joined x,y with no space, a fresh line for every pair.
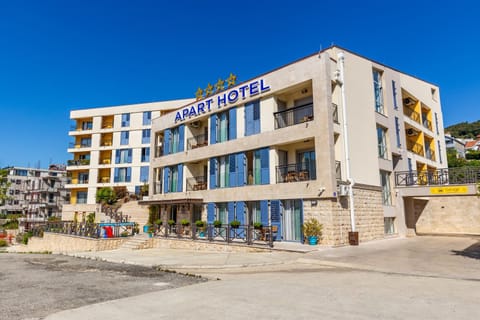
33,286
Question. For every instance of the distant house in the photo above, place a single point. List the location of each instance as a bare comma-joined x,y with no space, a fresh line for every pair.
453,143
473,145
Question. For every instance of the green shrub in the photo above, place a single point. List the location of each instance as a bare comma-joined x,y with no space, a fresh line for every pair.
200,223
158,222
185,222
257,225
235,224
217,223
171,222
10,225
3,243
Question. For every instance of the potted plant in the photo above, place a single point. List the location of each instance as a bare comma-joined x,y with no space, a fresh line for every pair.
200,227
257,225
217,224
185,222
158,222
171,222
235,224
147,227
312,230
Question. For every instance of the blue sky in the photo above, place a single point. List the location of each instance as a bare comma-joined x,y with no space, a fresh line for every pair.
61,55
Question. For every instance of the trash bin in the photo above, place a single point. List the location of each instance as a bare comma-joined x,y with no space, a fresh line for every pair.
353,238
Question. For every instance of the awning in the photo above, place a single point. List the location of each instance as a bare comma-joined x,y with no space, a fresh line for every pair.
172,201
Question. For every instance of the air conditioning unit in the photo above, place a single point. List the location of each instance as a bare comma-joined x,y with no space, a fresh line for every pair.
408,101
411,132
343,190
195,124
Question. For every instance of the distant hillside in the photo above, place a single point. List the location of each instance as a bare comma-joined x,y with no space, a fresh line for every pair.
464,129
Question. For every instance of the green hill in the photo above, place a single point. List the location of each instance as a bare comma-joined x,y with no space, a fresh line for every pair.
464,129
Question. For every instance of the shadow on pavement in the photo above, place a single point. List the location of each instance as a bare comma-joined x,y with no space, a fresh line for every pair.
471,252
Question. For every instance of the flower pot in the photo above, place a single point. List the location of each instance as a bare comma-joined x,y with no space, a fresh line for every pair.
312,240
145,229
150,235
201,234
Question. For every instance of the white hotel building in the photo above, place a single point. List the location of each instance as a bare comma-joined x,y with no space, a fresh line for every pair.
110,148
320,137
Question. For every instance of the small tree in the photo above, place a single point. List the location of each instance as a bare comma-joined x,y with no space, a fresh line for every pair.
4,185
106,195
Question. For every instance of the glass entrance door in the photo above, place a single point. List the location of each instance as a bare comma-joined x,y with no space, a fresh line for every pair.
292,220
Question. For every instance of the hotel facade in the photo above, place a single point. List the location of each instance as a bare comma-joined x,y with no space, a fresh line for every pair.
321,137
110,148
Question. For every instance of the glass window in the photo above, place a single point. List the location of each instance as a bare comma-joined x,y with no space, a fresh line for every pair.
123,156
389,225
145,155
81,197
378,92
122,174
386,192
144,174
173,179
222,213
145,136
223,172
124,137
394,91
147,118
125,119
397,132
222,127
382,142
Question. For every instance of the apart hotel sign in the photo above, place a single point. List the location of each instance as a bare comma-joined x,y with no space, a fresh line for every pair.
222,100
449,190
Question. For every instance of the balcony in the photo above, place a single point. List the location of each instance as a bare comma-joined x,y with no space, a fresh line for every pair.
296,172
105,179
430,154
80,145
197,183
450,176
412,114
427,124
106,143
415,148
79,181
197,141
80,162
293,116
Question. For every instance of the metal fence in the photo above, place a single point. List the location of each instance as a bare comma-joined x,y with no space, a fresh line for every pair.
89,230
450,176
245,234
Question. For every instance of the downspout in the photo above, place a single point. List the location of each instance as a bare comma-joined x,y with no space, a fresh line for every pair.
341,81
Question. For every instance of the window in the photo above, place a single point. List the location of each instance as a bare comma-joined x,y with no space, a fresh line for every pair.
123,156
378,92
223,126
386,192
81,197
145,157
223,172
147,118
252,118
144,174
222,213
122,174
436,123
125,120
87,125
389,225
145,136
173,178
124,137
86,142
439,152
382,142
397,132
394,91
173,140
21,172
306,167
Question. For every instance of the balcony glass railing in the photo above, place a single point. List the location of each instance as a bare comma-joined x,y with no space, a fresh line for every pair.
427,124
296,172
293,116
106,143
105,179
81,162
197,141
415,148
80,145
412,114
197,183
430,154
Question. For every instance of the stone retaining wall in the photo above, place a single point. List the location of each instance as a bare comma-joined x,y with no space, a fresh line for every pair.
62,243
203,246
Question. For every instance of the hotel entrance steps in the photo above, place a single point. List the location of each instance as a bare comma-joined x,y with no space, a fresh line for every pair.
139,241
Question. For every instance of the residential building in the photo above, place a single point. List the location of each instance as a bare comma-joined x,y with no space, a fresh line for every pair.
452,143
110,148
321,137
36,193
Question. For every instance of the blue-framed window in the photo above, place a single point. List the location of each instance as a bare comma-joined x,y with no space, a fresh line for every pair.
145,155
378,91
174,140
144,174
124,138
173,178
394,92
436,123
145,136
252,118
439,152
125,120
147,118
122,174
123,156
382,142
397,132
223,126
81,197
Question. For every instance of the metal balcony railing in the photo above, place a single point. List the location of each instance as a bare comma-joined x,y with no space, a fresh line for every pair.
81,162
295,172
197,141
293,116
450,176
197,183
80,145
415,148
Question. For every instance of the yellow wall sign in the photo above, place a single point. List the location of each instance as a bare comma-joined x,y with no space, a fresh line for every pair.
449,190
